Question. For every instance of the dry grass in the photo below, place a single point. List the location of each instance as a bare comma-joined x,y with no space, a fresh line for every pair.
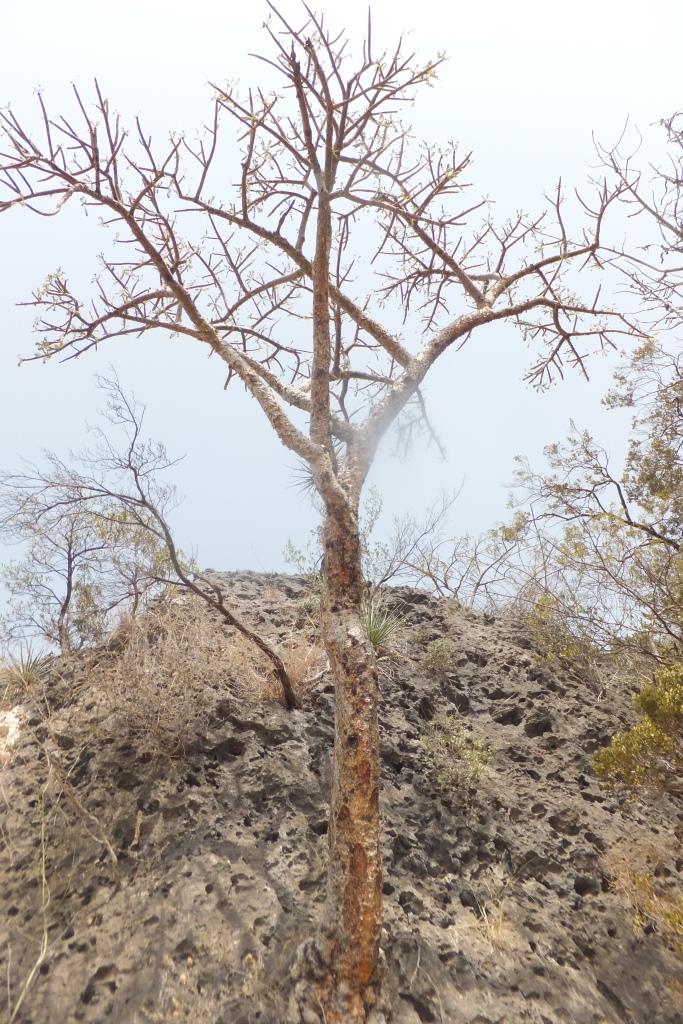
638,871
493,921
160,682
305,663
158,685
254,681
493,924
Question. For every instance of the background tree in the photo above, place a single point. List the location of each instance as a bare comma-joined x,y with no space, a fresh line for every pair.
100,524
76,575
654,198
618,558
336,213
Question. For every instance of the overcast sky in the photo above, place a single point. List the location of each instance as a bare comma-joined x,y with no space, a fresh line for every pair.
526,86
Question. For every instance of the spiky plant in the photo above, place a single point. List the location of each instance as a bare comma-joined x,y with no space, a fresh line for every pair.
24,671
381,621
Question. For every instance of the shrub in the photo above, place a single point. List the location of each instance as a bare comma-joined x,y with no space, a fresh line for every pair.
308,606
650,754
456,759
159,686
161,679
155,686
439,659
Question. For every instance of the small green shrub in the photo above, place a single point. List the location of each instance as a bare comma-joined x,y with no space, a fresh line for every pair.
309,605
381,622
420,636
439,659
650,754
456,759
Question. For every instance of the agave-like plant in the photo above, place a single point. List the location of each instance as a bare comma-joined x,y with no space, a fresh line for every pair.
27,667
380,620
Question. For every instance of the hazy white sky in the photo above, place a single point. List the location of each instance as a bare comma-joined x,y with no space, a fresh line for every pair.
525,86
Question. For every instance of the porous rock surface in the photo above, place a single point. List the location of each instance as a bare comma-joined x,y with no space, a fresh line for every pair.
498,903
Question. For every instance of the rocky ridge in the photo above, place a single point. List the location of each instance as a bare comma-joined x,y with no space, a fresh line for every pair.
180,888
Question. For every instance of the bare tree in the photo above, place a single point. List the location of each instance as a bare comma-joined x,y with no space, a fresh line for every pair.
654,197
335,214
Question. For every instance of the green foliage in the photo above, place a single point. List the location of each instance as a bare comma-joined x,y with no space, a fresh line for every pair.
381,622
439,659
305,560
456,759
309,604
650,754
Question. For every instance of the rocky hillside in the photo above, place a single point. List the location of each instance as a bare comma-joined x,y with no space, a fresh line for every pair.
148,881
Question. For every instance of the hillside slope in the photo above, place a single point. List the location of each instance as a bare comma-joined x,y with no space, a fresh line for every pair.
181,886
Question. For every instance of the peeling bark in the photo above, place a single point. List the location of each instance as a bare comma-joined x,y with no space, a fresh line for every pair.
352,930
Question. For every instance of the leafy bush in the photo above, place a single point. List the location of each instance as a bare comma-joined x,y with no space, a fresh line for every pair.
439,659
650,754
420,636
456,759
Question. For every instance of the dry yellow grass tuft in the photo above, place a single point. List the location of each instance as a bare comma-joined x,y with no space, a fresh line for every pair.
639,872
305,663
494,925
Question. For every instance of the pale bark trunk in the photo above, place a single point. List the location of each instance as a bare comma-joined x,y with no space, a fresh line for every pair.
354,911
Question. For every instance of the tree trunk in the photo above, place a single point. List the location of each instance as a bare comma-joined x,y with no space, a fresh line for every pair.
354,907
